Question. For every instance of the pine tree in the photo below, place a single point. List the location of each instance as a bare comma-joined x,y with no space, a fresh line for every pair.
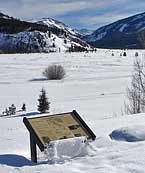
49,34
43,105
24,107
124,54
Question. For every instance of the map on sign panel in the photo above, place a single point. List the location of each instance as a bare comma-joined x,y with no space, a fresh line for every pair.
57,127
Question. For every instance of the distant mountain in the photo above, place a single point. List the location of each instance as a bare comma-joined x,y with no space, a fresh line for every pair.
64,32
47,35
85,32
125,33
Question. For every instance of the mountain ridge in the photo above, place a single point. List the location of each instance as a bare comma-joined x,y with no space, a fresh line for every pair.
47,35
124,33
50,35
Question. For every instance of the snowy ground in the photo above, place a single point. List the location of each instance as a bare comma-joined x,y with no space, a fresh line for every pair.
95,85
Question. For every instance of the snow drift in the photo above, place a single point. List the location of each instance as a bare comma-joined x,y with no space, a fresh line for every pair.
129,134
60,150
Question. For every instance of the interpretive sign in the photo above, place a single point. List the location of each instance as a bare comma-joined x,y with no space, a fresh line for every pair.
45,129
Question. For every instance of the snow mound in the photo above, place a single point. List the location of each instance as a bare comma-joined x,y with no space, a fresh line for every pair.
129,134
61,150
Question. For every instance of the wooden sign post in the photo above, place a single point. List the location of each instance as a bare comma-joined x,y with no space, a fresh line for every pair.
33,149
48,128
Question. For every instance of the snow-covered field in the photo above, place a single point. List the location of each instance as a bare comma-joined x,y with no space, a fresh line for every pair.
95,86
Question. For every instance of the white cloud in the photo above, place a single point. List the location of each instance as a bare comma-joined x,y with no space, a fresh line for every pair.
34,8
95,12
53,9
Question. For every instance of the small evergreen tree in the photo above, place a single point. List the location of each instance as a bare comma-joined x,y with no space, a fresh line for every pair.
49,34
124,54
24,107
43,105
136,54
53,45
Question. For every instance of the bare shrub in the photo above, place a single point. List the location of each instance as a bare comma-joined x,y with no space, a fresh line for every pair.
136,92
54,72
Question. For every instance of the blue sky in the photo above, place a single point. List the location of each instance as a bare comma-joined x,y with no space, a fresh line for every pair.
89,14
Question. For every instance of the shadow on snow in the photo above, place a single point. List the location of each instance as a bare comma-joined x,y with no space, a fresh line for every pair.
14,160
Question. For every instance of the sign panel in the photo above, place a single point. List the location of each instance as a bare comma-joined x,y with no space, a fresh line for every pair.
56,127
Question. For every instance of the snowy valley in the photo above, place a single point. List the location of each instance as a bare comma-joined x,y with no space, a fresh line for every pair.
95,86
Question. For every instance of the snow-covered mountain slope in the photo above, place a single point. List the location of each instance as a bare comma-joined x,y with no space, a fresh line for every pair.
33,42
96,87
64,32
52,23
47,35
125,33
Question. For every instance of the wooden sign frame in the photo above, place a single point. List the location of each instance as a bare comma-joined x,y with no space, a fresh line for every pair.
35,138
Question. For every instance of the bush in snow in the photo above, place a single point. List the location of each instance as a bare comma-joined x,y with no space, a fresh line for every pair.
43,105
54,72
